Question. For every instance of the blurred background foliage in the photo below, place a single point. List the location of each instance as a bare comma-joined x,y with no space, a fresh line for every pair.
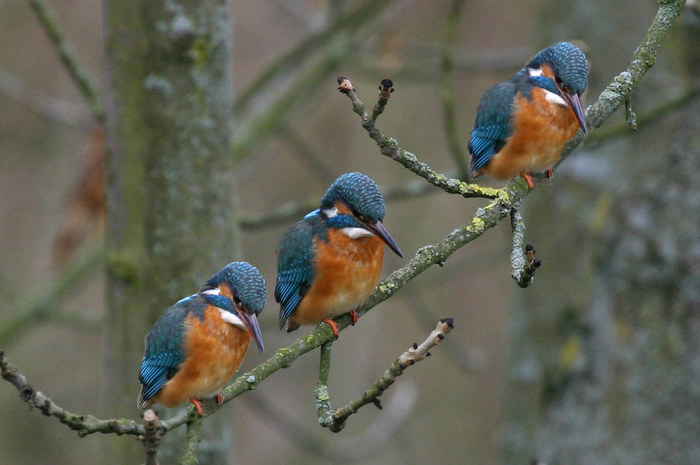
588,365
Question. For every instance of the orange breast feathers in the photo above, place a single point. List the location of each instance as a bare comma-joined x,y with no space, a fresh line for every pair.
540,130
346,271
215,350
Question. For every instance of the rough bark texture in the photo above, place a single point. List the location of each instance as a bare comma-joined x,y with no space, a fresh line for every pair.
170,174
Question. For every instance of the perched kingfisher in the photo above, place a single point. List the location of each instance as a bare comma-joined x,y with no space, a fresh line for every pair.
197,345
523,123
329,262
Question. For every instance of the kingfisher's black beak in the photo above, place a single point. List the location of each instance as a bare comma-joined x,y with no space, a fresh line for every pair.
251,323
379,229
575,103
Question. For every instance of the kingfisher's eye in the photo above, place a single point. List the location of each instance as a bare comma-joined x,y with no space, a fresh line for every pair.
237,300
559,81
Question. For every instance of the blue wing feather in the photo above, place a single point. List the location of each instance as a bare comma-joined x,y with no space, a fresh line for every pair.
493,124
164,346
295,269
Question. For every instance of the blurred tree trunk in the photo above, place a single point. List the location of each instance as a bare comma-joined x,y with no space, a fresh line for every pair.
170,216
605,361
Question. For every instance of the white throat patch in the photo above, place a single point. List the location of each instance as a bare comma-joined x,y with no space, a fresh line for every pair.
356,233
229,317
556,99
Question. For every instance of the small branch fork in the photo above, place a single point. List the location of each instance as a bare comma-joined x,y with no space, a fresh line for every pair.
335,419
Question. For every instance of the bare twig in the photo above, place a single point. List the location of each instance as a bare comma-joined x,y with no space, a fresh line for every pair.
83,424
48,22
335,420
390,148
151,438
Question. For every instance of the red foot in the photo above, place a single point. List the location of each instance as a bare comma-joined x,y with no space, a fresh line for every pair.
354,316
198,406
332,324
528,180
219,399
550,173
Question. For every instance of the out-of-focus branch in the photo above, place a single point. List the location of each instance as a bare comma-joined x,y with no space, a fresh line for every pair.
60,111
47,20
447,94
44,304
348,21
253,132
335,420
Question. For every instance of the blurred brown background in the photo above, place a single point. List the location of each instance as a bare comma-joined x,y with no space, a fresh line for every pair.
616,229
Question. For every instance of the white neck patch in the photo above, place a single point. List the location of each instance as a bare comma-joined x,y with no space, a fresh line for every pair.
356,233
556,99
231,318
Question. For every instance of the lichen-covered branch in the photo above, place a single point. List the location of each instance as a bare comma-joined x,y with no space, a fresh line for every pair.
83,424
335,420
624,84
48,22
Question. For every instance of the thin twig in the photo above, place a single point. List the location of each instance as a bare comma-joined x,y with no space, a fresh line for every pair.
416,353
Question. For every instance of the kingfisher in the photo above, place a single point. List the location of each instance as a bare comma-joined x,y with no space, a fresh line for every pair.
523,123
197,345
329,262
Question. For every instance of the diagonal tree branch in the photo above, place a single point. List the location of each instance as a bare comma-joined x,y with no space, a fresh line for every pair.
83,424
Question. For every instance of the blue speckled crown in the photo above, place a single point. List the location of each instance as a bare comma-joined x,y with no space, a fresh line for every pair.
359,192
568,61
247,282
